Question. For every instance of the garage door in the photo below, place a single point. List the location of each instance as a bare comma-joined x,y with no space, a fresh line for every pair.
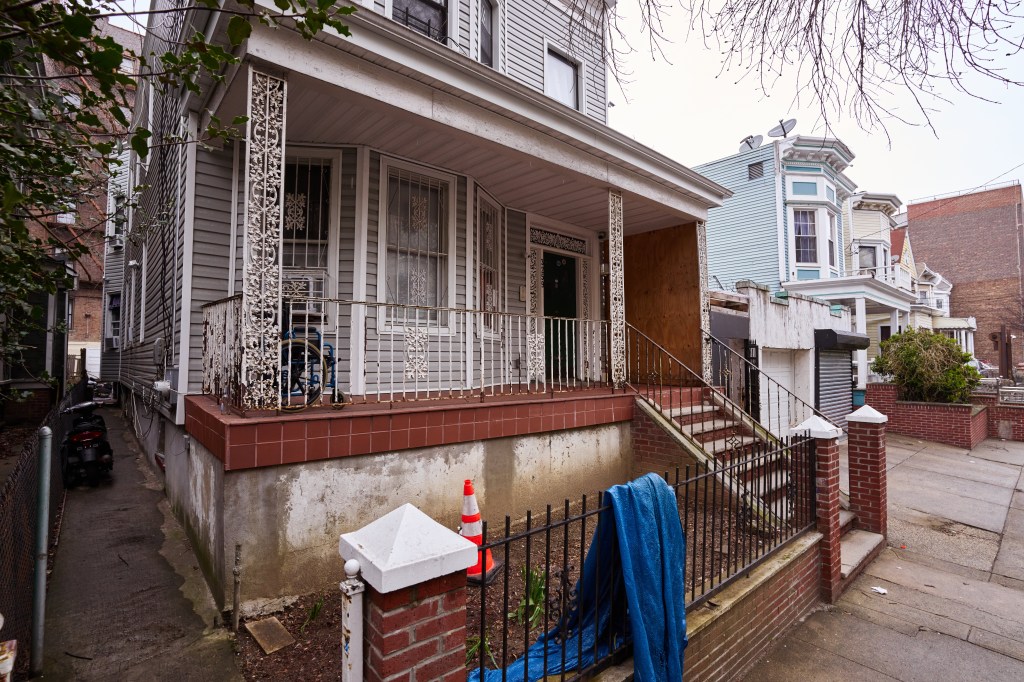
776,411
835,389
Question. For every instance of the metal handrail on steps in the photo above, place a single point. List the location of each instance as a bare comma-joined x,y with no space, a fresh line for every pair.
767,400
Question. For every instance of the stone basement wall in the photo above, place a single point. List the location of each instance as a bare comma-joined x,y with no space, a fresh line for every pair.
962,426
753,613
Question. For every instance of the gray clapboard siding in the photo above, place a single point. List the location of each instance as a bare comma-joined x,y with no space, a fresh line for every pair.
515,269
743,240
210,247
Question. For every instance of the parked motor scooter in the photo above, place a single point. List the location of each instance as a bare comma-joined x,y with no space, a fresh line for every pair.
85,451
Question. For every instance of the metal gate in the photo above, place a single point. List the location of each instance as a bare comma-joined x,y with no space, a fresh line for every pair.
835,387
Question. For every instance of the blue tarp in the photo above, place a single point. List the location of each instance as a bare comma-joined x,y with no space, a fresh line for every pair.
643,603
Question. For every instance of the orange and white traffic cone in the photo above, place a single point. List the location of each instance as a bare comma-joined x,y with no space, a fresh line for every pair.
472,529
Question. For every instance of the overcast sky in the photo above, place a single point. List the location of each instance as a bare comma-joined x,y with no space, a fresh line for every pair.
685,110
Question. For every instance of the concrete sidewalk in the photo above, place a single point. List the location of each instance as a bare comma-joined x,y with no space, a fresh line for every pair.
954,602
126,600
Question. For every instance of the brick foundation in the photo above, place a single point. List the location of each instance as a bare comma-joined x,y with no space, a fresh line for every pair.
417,634
654,451
724,644
962,426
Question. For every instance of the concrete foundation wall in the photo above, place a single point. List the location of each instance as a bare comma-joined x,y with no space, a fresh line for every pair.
295,513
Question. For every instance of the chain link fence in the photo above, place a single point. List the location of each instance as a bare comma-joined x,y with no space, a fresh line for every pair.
18,526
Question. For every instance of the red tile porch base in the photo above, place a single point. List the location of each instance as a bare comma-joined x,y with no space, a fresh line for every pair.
244,443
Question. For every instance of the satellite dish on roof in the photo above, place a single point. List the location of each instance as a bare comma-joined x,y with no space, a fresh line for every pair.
751,142
783,129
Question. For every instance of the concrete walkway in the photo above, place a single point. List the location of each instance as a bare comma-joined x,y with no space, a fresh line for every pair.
953,575
126,600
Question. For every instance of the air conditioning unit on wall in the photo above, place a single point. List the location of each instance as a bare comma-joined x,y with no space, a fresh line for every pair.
117,243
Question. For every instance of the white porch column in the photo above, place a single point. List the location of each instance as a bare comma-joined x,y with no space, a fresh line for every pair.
261,273
894,322
970,341
862,354
616,294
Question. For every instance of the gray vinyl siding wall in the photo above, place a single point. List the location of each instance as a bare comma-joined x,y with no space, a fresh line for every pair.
743,234
515,226
211,239
529,23
113,269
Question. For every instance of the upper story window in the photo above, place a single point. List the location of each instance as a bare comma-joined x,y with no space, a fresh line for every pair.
488,33
806,232
866,258
805,189
562,78
423,16
833,239
755,171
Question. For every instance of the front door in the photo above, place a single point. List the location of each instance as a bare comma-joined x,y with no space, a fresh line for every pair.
560,301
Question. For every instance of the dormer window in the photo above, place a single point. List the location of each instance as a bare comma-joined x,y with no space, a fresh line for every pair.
423,16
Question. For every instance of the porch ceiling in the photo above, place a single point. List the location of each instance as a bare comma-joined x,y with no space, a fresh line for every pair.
393,90
319,114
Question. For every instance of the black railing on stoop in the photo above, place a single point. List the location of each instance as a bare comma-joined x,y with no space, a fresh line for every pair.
731,525
766,400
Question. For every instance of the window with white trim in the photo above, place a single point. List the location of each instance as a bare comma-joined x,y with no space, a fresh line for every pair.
833,239
488,32
417,263
306,230
805,232
561,78
423,16
490,241
867,258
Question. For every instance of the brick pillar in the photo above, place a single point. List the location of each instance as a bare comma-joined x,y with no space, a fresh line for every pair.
868,496
417,633
414,619
826,483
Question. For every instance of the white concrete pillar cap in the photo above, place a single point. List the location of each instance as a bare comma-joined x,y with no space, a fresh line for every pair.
867,415
817,427
406,547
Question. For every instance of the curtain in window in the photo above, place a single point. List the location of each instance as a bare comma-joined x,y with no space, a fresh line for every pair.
805,230
560,79
417,239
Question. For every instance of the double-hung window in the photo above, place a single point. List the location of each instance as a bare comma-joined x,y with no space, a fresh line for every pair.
417,243
487,33
423,16
490,240
561,78
867,259
833,239
806,232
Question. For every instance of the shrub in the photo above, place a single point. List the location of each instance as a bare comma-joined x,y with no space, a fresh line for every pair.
927,367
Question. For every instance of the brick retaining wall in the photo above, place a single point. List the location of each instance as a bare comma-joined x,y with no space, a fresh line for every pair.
727,641
963,426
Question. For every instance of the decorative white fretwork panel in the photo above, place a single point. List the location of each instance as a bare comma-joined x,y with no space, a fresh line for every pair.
705,301
417,341
535,356
616,294
261,293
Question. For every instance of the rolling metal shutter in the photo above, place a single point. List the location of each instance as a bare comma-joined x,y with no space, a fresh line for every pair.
835,388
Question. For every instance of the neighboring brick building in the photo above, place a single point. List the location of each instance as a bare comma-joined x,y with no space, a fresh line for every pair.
975,241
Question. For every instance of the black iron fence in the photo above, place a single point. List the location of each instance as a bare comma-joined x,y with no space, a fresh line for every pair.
734,517
18,495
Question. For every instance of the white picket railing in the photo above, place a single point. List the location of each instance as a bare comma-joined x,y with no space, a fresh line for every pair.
336,351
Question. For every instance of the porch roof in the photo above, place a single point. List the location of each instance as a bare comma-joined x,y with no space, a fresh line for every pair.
392,89
878,296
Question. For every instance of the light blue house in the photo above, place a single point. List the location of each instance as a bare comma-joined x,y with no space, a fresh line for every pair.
784,221
795,224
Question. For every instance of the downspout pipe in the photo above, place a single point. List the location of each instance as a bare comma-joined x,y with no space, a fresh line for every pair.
42,542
